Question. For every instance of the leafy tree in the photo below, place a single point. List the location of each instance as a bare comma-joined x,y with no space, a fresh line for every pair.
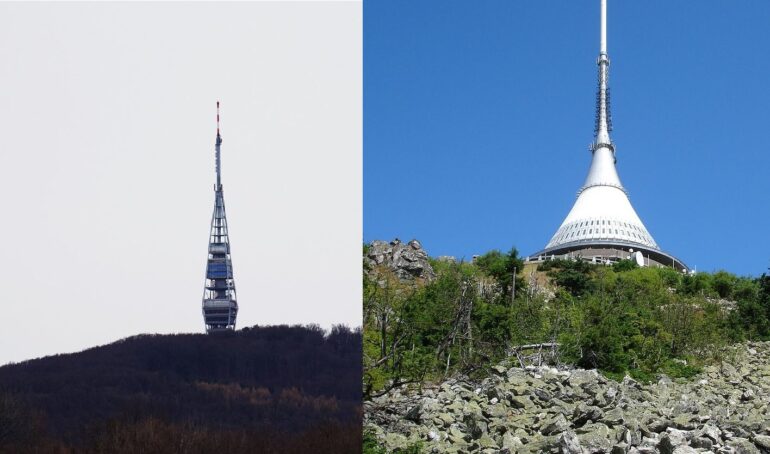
625,265
671,277
751,319
698,284
502,268
724,283
572,275
387,358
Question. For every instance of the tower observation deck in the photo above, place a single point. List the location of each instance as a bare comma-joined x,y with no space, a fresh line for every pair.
220,306
602,226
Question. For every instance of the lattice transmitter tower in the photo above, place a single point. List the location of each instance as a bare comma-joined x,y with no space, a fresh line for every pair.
220,306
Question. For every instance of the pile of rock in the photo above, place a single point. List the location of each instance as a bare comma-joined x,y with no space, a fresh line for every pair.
408,261
723,410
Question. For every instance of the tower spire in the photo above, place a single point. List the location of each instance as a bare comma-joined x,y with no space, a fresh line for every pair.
603,44
603,118
218,153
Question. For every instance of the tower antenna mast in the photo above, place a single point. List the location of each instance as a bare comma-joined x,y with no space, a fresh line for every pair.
603,48
218,153
603,117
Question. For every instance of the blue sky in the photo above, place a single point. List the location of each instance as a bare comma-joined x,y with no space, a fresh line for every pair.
478,116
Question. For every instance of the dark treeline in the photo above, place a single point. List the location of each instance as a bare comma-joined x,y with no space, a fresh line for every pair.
260,389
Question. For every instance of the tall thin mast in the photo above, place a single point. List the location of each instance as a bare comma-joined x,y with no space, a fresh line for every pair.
603,46
218,153
603,118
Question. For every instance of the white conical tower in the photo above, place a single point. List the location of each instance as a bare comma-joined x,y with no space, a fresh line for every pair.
602,225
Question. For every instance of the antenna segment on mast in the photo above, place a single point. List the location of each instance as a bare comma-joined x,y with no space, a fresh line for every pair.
603,118
603,47
218,158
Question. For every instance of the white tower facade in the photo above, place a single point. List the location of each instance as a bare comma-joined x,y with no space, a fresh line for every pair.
602,225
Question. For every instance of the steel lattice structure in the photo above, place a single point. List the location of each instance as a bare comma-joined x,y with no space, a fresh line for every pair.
220,306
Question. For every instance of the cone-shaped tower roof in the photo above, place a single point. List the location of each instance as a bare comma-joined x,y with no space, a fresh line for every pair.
603,218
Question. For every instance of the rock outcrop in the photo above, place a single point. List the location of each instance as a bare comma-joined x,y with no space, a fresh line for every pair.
722,410
408,261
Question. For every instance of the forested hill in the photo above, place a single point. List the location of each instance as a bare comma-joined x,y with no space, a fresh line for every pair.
426,319
233,387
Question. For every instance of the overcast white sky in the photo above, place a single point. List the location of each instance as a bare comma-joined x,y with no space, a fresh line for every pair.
107,119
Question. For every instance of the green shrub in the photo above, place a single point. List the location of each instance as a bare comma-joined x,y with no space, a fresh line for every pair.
571,275
371,445
415,448
624,265
678,369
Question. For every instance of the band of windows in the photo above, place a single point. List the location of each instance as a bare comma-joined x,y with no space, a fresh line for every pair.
602,228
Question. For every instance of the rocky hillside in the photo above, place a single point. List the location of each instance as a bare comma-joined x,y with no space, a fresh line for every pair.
722,410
